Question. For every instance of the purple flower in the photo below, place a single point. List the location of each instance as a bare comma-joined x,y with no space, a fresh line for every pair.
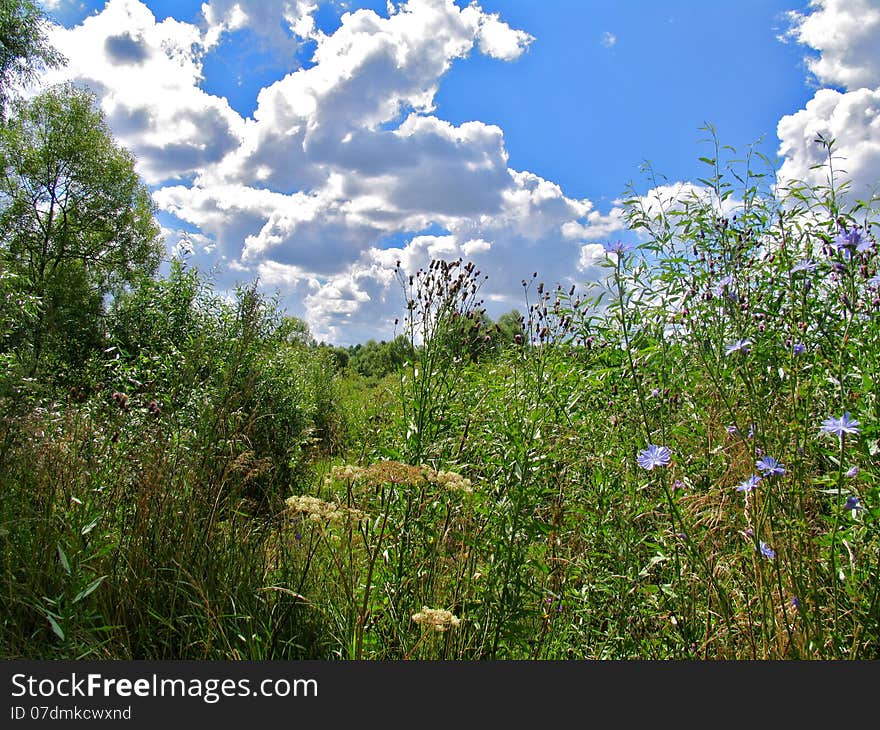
678,484
618,247
767,551
739,346
749,484
852,503
853,241
852,472
654,456
724,286
795,602
732,429
840,426
803,265
798,349
769,467
874,281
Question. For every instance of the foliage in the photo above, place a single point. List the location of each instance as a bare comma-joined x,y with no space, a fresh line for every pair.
24,48
681,462
77,221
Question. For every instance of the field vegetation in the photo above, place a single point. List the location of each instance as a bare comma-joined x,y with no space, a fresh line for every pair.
677,462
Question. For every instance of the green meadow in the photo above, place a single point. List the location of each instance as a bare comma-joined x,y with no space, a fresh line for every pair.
679,461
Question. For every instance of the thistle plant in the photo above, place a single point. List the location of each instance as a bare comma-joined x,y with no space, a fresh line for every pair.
443,321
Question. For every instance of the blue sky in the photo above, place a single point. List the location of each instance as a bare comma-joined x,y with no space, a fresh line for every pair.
313,144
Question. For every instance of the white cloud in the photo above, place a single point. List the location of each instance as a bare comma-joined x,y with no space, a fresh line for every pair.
146,75
608,39
281,22
592,255
853,119
499,40
337,158
846,33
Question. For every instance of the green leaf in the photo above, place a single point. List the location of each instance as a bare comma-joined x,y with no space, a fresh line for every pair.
89,589
91,526
59,632
64,562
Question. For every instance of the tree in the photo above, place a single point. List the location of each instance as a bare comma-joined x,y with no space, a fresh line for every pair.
76,222
24,48
295,331
509,325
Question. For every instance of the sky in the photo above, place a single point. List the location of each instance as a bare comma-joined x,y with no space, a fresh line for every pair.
313,144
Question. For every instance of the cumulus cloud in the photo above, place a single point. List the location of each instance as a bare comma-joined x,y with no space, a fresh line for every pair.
280,22
499,40
146,75
338,158
851,118
846,36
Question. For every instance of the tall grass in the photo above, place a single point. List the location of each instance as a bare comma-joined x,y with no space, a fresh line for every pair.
678,463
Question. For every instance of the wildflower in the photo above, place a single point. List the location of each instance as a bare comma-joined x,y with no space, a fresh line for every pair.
749,484
732,429
853,241
798,349
452,481
725,286
795,602
739,346
678,484
803,265
852,503
874,281
852,471
654,456
767,551
840,426
769,467
321,511
439,619
618,247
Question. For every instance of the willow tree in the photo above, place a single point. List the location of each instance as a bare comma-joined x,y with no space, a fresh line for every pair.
76,222
24,45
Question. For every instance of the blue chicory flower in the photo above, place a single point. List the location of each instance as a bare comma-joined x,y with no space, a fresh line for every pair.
749,484
769,467
840,426
852,502
739,346
853,241
803,265
653,456
618,247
